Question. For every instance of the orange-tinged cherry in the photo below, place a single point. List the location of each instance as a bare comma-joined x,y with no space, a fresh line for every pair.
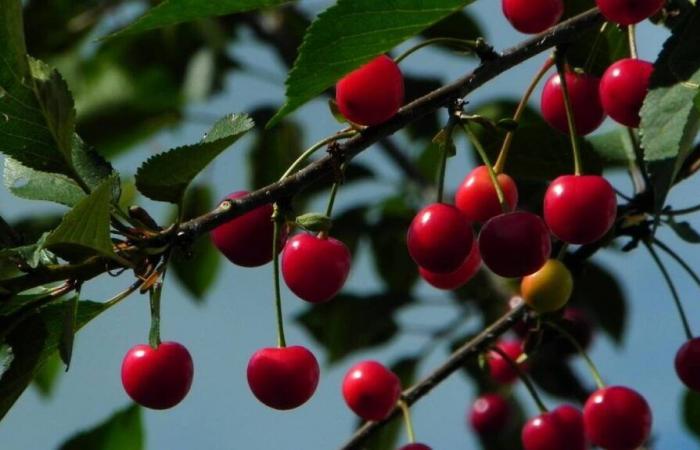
532,16
458,278
477,199
585,102
623,88
549,288
371,390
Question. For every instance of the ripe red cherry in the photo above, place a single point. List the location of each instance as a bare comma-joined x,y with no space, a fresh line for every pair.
688,364
500,369
440,238
532,16
626,12
371,390
514,244
489,414
315,268
415,446
371,94
580,209
617,418
559,429
477,198
623,88
459,277
247,240
157,378
585,103
283,377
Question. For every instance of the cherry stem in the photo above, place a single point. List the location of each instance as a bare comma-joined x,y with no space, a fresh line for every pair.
463,43
589,362
503,155
679,260
443,168
561,70
631,35
310,151
277,221
124,294
525,379
334,193
154,332
406,410
681,212
485,159
672,287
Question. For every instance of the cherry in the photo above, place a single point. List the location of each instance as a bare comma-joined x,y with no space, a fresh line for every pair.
440,238
371,390
371,94
415,446
617,418
623,88
580,209
459,277
559,429
500,369
688,364
489,414
157,378
532,16
585,103
315,268
477,198
283,377
549,288
514,244
247,239
626,12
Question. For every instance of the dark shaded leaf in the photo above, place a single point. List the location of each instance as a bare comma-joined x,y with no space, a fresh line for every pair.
460,25
555,376
684,231
691,412
65,343
123,430
6,357
273,150
614,147
416,87
48,375
350,226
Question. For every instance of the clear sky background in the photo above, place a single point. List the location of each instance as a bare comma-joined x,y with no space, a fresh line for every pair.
237,318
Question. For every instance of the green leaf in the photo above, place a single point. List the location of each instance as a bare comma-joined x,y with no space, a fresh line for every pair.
670,120
334,324
614,147
594,51
171,12
65,344
33,341
48,375
459,25
34,255
165,177
34,185
684,231
697,101
85,228
123,430
691,412
6,357
349,34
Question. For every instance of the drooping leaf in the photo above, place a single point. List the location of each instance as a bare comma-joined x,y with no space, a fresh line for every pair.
460,25
691,412
171,12
85,228
670,120
349,34
684,231
165,177
595,50
349,227
65,343
34,185
614,147
428,125
273,150
48,375
6,357
555,376
123,430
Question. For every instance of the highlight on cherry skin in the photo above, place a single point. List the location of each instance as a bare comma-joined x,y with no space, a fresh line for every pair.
585,103
489,414
440,238
561,428
247,240
371,94
371,390
458,278
283,377
477,198
315,267
623,87
617,418
687,363
532,16
157,378
500,369
626,12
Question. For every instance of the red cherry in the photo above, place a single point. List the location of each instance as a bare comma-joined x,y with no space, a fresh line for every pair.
514,244
580,209
477,198
626,12
247,239
617,418
157,378
688,364
623,88
440,238
459,277
500,369
585,103
559,429
415,446
371,94
283,377
315,268
489,414
532,16
371,390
